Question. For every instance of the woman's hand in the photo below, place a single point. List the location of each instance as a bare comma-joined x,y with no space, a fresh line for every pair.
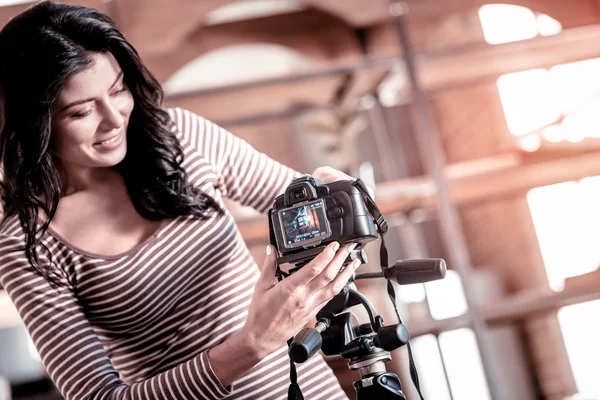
280,309
329,174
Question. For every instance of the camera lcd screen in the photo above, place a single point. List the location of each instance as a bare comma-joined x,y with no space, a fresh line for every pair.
304,224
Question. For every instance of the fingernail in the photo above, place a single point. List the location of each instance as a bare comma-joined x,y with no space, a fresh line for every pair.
351,247
268,250
355,264
336,246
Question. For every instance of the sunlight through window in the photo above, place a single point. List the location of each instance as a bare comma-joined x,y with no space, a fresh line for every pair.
4,3
446,297
463,363
247,9
547,26
566,217
446,300
559,104
430,367
505,23
222,66
496,18
581,333
529,100
537,102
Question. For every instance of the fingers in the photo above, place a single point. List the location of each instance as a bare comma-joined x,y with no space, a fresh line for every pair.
338,283
267,277
331,270
311,270
328,174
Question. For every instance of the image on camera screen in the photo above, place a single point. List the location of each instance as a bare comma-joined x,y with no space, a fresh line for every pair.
304,223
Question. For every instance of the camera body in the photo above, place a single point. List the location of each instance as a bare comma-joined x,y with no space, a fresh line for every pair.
311,214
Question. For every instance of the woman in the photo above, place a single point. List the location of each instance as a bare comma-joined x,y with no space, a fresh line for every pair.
116,247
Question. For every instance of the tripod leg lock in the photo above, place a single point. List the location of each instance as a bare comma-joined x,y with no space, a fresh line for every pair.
383,386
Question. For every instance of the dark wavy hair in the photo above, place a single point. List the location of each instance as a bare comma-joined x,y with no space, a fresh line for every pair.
40,49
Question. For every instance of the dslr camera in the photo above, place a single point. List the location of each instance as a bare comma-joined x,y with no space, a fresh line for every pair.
311,214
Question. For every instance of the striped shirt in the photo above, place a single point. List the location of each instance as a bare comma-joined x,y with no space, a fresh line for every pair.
138,325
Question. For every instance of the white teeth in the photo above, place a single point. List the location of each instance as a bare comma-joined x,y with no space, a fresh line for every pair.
110,140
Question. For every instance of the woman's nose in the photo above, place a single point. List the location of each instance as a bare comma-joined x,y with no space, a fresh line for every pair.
112,117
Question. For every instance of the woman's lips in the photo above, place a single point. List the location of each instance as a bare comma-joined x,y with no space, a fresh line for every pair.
109,143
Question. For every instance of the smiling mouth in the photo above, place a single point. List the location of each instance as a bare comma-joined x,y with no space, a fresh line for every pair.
107,141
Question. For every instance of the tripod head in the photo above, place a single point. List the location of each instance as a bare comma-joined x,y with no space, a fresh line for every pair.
367,346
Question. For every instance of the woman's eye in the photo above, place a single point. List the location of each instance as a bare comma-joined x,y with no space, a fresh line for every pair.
123,89
81,114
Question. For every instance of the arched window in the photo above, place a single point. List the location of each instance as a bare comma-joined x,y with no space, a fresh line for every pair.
236,64
13,2
248,9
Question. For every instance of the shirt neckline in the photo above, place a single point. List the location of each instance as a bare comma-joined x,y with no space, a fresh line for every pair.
126,253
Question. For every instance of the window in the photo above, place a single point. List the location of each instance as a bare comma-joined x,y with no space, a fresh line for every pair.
557,104
453,357
503,23
566,217
222,67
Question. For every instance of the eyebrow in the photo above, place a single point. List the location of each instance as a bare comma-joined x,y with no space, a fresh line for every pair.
76,103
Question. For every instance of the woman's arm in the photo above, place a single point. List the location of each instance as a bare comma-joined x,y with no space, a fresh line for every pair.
77,363
72,353
244,174
233,357
280,309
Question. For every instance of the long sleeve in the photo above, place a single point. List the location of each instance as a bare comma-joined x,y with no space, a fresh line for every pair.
72,353
243,173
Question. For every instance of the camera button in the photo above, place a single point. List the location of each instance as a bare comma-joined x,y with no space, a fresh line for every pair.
335,212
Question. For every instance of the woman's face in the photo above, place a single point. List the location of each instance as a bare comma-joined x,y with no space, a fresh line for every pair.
90,117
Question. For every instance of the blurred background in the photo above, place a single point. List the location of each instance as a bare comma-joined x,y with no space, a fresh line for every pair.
479,126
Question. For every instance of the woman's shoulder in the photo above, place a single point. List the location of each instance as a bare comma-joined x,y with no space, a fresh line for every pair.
11,230
197,137
187,125
195,129
179,115
12,242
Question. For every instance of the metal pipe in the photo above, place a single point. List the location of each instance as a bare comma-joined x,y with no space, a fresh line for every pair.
390,156
267,117
394,166
434,160
572,38
444,367
344,69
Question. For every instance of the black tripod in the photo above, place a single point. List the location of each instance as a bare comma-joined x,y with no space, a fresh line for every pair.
367,346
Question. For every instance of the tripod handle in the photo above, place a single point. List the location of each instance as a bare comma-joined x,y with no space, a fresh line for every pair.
391,337
420,270
305,345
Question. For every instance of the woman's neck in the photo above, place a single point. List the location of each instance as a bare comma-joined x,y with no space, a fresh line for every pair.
87,179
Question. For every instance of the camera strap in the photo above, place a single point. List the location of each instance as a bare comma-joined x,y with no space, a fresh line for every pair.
383,227
294,391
